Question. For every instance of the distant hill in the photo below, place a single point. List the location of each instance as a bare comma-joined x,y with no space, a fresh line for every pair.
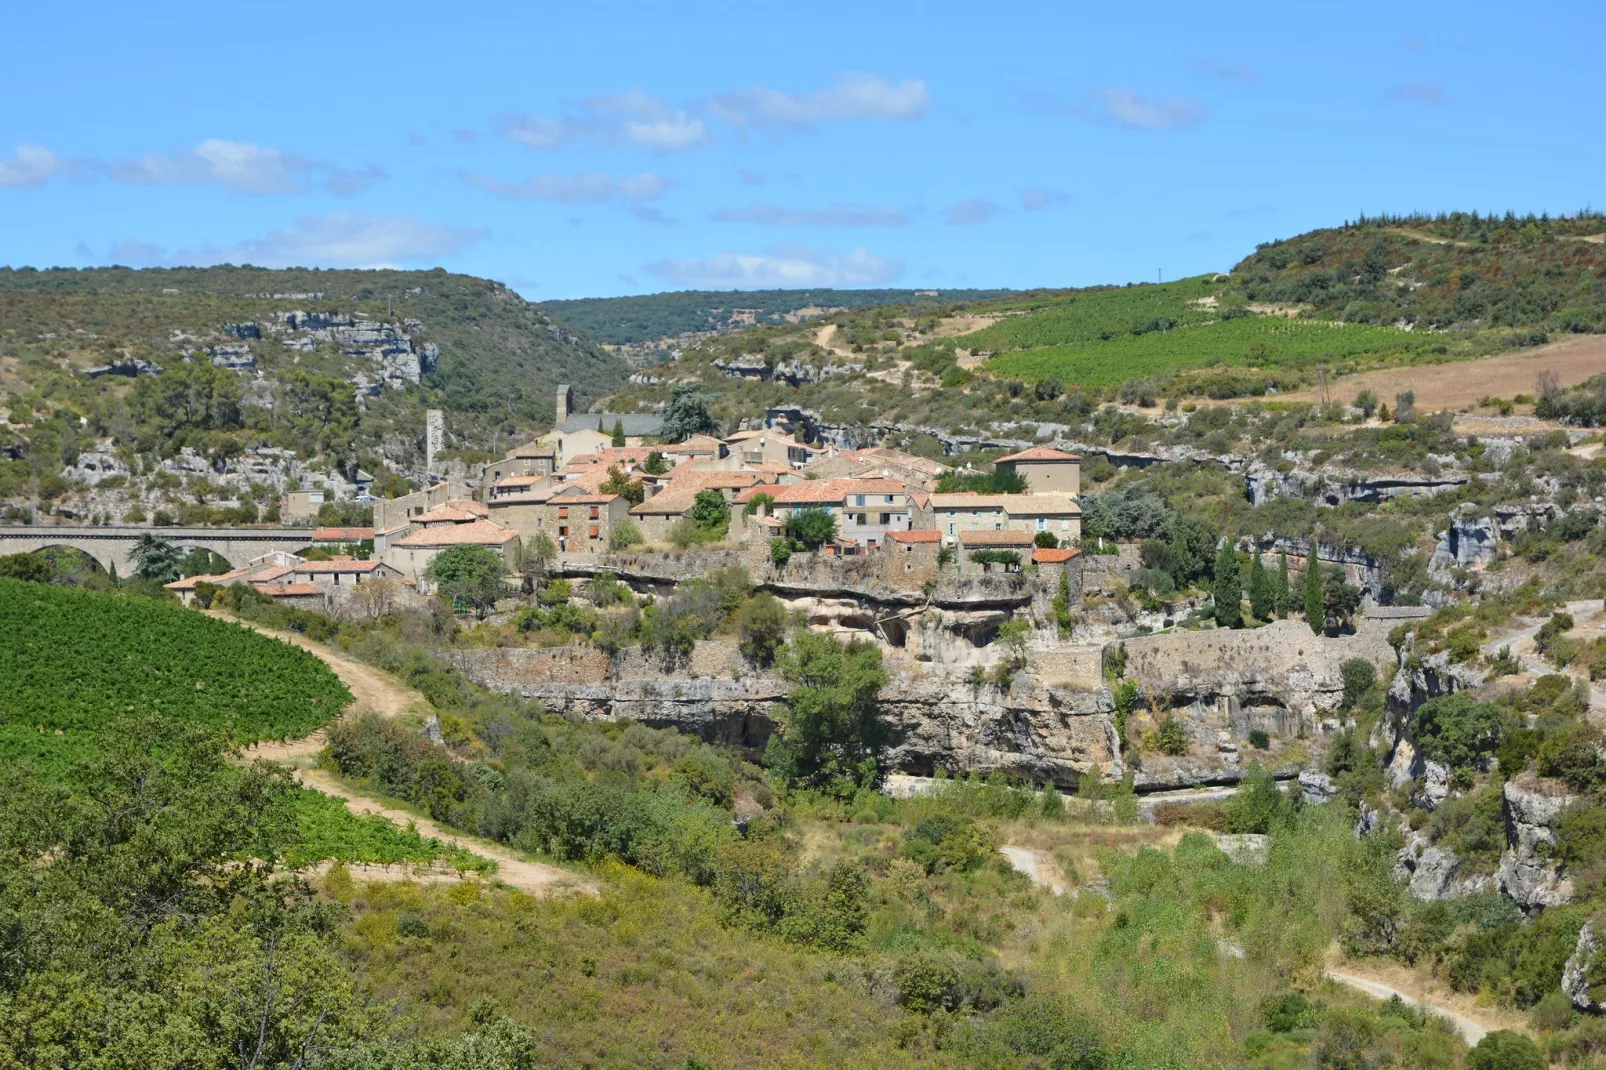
657,319
1459,271
497,359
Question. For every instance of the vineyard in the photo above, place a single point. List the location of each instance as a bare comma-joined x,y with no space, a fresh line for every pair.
1247,342
327,830
1094,316
72,661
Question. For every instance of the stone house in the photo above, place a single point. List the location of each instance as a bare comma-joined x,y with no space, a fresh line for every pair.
953,514
970,541
1052,513
530,459
343,573
910,558
581,521
1046,471
866,510
392,513
412,553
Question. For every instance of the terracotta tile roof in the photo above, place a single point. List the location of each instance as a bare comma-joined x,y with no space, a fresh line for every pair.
518,481
477,533
920,498
288,590
966,500
530,449
773,522
706,480
468,505
996,538
444,514
1044,555
262,575
834,490
1039,453
674,501
748,493
313,567
915,536
585,499
404,525
342,534
1041,505
695,444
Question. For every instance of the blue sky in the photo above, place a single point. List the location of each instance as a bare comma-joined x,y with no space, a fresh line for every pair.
597,149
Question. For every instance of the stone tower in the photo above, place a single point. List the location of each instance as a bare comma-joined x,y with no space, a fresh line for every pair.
434,438
565,404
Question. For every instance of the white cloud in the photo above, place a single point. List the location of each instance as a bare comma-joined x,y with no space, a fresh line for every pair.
1037,198
971,211
240,166
837,215
1137,113
135,253
1241,73
32,165
782,266
631,118
855,96
1432,93
587,187
338,239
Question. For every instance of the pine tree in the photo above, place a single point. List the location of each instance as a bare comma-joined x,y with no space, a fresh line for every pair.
1281,593
1315,604
618,433
1229,588
1260,590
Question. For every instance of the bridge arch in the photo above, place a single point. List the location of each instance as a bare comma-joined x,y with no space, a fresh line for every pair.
110,545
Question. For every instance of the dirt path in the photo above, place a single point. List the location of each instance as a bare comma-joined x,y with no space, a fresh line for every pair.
1470,1020
377,692
1521,643
1027,861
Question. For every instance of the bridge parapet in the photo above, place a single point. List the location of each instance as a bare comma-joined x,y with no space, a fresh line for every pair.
110,545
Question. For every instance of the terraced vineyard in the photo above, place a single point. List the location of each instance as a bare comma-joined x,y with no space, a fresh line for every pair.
73,662
1246,342
1095,315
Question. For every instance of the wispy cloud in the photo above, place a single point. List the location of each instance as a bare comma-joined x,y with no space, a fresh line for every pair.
855,96
30,165
1037,198
1240,73
753,178
837,215
781,266
1139,113
587,187
973,211
1431,93
633,119
337,239
240,166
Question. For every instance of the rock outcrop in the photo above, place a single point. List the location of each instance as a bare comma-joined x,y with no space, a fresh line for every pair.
1527,874
1581,977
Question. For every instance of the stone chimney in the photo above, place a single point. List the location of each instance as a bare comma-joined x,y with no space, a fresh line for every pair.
565,404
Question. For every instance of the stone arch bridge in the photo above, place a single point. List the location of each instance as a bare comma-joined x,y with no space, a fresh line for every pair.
110,545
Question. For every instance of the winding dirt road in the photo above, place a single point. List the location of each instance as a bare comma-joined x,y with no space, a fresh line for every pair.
377,692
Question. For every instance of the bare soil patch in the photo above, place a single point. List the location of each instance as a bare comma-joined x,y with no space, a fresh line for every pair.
1461,384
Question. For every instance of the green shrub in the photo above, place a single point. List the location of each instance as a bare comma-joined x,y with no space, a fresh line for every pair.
1506,1050
1172,737
1259,739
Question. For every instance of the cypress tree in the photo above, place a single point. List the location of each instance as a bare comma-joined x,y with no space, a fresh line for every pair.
1229,588
618,433
1315,604
1280,593
1260,590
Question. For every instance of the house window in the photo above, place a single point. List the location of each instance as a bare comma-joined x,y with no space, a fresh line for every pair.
593,512
593,531
1042,524
888,498
950,529
860,501
858,519
886,518
563,532
1065,525
563,512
